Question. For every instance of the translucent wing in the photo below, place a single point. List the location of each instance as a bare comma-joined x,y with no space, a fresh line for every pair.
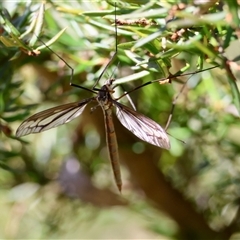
142,126
52,117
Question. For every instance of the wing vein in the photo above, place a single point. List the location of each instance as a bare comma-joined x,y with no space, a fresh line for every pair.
52,117
142,126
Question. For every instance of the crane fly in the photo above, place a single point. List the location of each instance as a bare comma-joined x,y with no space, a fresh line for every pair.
140,125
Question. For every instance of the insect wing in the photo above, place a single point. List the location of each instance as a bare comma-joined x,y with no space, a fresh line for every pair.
51,118
142,126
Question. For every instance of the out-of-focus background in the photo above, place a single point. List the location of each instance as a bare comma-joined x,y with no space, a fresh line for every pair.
59,183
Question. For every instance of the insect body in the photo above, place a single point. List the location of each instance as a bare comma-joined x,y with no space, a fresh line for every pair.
140,125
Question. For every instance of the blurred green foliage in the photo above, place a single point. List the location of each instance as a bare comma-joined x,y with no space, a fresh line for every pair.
42,173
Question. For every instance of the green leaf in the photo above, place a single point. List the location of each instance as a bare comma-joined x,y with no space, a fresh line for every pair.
7,25
146,40
38,22
7,41
234,10
52,40
132,77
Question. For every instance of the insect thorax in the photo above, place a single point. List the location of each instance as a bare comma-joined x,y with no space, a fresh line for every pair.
104,97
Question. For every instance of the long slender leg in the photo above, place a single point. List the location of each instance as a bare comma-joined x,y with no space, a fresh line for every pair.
163,79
